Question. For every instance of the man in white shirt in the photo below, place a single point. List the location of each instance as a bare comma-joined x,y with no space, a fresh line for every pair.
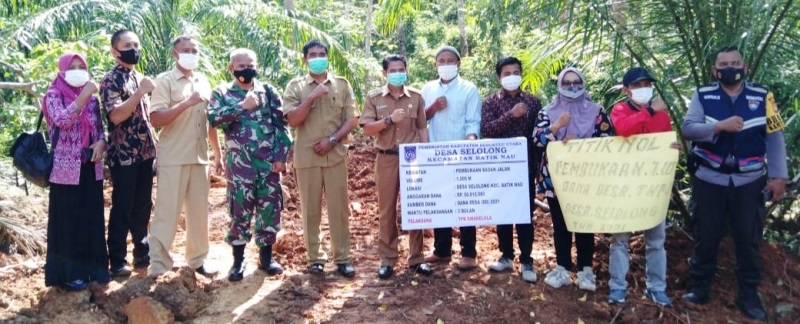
454,113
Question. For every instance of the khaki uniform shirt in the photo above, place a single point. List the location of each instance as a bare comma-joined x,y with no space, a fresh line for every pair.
380,103
185,139
326,116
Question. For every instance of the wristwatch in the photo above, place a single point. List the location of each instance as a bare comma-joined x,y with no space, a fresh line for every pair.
333,140
388,121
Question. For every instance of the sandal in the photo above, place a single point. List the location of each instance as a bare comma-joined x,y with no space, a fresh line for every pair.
75,285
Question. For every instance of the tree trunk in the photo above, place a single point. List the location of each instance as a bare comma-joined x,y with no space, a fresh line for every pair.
401,37
288,5
367,45
462,27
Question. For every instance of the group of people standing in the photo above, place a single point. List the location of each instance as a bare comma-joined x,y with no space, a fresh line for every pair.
181,103
733,143
254,118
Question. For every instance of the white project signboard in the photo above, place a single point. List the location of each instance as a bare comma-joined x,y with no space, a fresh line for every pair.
464,183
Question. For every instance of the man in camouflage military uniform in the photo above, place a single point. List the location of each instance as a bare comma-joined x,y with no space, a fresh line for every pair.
257,145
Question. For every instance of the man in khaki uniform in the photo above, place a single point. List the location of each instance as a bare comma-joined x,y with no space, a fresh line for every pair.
322,108
179,105
394,114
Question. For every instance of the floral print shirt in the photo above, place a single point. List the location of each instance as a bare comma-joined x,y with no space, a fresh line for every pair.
133,140
67,155
543,135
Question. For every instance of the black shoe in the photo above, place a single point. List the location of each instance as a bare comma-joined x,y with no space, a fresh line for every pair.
103,277
236,273
698,294
422,268
206,271
121,271
316,268
385,272
75,285
141,263
346,269
751,306
267,263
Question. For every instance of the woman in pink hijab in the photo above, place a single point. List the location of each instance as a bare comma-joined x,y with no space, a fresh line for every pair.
572,115
76,249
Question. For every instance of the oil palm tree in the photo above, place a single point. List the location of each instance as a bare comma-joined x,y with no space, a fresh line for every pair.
220,25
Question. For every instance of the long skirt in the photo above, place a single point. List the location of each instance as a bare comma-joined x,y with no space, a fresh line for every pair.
76,247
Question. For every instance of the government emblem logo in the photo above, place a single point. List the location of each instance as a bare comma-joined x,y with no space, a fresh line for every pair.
410,154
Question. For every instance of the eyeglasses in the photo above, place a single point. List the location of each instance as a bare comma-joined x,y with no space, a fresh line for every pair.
571,83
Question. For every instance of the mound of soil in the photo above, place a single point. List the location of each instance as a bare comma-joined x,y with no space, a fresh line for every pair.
449,295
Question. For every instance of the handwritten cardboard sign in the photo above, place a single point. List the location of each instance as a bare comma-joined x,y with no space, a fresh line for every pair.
613,184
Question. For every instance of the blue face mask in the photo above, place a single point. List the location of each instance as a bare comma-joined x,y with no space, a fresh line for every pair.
397,79
318,65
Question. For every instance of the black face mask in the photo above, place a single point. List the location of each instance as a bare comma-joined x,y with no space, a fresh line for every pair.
731,75
245,76
131,56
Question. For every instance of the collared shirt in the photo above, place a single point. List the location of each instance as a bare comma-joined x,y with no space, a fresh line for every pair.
695,128
251,136
462,115
184,140
380,103
327,114
133,139
497,120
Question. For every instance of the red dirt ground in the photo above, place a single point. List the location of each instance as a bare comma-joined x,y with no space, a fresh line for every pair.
449,296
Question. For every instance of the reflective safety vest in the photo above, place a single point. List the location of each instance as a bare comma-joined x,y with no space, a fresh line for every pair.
747,147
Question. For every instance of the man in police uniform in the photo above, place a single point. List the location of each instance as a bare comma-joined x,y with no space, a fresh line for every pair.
322,108
734,125
394,114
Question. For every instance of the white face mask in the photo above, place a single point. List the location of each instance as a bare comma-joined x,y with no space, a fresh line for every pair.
572,92
511,82
447,72
642,95
77,77
188,60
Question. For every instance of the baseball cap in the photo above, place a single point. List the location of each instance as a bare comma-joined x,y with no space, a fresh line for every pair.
636,74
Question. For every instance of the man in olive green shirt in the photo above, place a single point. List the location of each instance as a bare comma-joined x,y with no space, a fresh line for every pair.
322,109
